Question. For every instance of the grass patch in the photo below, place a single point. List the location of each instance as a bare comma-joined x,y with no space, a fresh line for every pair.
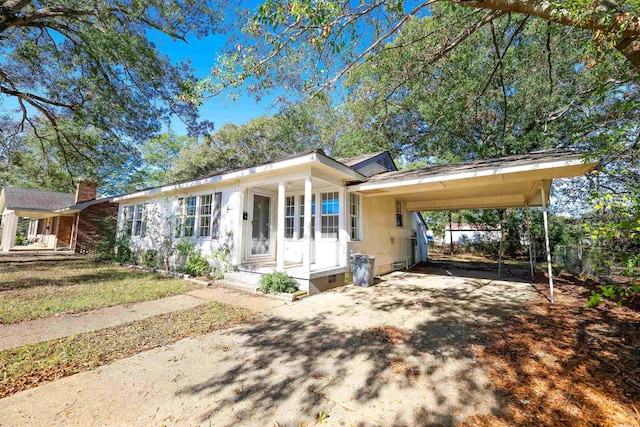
33,365
30,290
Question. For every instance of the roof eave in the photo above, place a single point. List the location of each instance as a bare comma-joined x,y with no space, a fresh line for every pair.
549,164
307,158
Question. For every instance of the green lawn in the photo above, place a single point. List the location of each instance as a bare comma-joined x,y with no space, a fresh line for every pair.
32,365
30,290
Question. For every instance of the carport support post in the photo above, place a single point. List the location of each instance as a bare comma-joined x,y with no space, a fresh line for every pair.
500,254
529,239
546,240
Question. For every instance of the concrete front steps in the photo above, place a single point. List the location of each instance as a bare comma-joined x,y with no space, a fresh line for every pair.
247,281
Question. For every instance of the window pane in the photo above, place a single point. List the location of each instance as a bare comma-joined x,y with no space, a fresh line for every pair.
128,221
313,217
289,215
204,222
137,226
179,220
399,217
190,220
354,216
329,215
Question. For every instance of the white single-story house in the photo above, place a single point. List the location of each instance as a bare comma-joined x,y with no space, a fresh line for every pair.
469,233
306,214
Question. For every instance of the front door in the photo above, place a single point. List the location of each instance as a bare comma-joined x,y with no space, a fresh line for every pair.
260,225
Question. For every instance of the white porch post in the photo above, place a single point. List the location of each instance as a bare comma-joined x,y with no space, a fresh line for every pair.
308,195
546,238
240,229
343,236
280,228
9,230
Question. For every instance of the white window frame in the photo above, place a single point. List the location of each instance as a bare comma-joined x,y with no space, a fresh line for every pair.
188,216
289,217
179,219
335,216
201,215
127,220
138,220
399,214
355,213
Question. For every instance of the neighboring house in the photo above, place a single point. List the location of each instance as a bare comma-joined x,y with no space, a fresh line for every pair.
469,233
306,214
59,221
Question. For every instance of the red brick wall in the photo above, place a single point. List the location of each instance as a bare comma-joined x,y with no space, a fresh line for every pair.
94,223
86,190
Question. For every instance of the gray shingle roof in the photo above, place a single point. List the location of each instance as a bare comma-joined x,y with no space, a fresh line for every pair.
352,161
30,199
518,159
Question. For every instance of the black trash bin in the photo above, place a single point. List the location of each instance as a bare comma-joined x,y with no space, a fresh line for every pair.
362,269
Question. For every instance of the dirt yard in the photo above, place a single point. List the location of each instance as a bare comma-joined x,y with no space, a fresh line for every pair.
427,347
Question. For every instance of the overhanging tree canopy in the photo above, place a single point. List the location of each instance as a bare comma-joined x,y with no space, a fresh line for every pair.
81,74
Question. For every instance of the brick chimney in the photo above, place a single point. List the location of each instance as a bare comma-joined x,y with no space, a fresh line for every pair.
87,190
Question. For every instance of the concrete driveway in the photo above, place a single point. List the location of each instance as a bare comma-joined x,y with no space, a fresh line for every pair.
393,354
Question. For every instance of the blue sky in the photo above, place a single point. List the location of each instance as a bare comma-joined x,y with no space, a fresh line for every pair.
220,109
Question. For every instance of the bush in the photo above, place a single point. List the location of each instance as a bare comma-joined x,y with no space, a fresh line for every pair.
197,265
150,258
20,239
124,255
273,283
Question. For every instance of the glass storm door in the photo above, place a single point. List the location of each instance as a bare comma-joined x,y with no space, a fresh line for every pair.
261,221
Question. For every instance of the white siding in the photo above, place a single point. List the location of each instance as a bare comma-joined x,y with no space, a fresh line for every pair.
161,211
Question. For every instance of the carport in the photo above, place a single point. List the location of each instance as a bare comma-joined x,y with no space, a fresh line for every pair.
520,181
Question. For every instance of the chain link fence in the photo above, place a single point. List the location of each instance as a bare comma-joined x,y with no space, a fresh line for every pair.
605,265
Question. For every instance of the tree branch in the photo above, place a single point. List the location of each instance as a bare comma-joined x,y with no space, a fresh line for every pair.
375,44
29,96
626,25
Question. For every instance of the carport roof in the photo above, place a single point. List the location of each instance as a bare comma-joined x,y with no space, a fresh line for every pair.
506,182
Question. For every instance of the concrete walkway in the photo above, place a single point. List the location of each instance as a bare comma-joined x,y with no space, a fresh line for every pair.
320,357
48,328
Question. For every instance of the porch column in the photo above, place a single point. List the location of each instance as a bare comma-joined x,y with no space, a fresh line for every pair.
240,229
308,195
280,228
9,230
546,239
343,235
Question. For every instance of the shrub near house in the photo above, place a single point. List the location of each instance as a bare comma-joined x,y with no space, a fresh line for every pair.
278,282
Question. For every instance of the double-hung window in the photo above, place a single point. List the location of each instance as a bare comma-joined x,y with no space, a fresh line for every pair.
139,221
127,221
289,216
354,216
313,217
204,222
329,215
179,218
190,216
399,215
